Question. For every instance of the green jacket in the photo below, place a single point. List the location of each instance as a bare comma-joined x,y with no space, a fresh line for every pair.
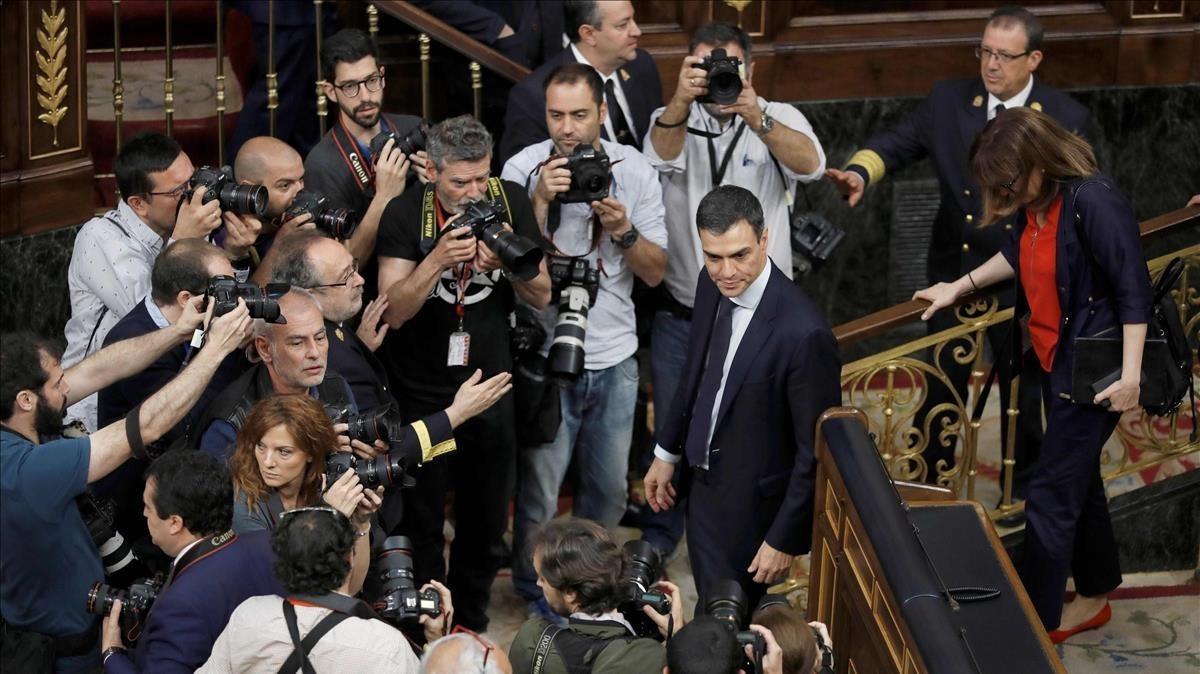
590,646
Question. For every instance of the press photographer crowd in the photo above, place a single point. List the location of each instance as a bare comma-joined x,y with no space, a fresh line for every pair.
280,378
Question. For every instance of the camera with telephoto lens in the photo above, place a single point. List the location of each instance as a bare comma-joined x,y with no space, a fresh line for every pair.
121,565
135,603
520,256
815,238
724,78
643,568
727,603
219,184
399,599
573,286
409,143
263,303
338,223
384,470
590,176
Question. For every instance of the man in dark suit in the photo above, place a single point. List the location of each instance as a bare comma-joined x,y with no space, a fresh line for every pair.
189,510
943,128
762,365
526,31
603,35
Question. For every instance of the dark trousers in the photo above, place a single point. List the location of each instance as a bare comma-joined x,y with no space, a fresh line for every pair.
481,474
721,540
1029,420
1067,528
296,70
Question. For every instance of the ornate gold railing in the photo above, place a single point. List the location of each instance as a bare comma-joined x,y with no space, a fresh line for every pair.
892,387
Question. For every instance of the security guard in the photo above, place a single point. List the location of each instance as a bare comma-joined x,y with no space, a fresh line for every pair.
943,128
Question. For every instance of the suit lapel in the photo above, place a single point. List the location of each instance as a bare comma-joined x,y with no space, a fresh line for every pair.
760,329
705,312
973,115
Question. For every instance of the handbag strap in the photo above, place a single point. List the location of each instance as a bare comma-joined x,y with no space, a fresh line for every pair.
299,657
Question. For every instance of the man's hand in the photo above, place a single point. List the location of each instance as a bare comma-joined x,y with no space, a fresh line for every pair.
344,494
473,397
372,329
196,220
485,260
420,163
292,225
612,215
674,617
660,493
364,451
772,662
770,565
435,628
241,231
849,183
692,84
226,333
553,179
111,631
455,246
746,107
391,172
193,316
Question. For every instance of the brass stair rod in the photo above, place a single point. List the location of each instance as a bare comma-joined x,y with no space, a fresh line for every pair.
118,89
423,41
477,89
220,81
272,82
169,80
321,102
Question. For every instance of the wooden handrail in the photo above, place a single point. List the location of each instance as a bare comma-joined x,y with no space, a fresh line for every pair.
445,34
880,322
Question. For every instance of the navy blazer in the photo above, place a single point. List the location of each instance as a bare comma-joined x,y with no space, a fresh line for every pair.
943,128
786,372
525,116
188,616
1100,270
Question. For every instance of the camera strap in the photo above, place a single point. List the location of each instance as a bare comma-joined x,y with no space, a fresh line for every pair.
362,171
718,172
204,548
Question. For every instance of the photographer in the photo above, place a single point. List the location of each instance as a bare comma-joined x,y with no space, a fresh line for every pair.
273,164
580,568
706,646
616,232
113,253
444,288
342,165
188,502
49,559
464,651
314,551
805,647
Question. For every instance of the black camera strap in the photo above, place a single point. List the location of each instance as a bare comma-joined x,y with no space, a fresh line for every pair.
206,546
341,607
718,172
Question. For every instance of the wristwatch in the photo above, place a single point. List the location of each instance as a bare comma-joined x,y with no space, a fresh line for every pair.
767,124
110,651
626,240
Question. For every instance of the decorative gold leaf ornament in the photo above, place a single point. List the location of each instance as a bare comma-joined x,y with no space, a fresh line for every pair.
52,66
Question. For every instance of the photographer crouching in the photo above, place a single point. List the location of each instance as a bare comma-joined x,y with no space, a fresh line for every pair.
584,576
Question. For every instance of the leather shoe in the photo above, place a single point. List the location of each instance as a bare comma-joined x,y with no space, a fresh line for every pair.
1099,620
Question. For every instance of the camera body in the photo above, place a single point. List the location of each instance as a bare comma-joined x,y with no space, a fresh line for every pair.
591,175
224,292
815,238
573,287
338,223
727,603
409,143
485,219
135,603
220,185
724,77
643,569
399,599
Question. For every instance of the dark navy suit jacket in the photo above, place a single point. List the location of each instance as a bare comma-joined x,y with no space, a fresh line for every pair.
191,613
525,117
943,128
785,373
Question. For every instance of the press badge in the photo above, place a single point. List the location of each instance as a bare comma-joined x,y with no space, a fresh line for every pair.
460,349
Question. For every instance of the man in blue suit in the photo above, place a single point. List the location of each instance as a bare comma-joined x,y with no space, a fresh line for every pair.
604,36
943,128
189,510
762,365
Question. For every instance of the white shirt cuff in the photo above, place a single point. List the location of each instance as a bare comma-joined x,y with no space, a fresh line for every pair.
663,455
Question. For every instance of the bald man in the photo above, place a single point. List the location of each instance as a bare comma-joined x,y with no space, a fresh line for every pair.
273,164
465,653
294,359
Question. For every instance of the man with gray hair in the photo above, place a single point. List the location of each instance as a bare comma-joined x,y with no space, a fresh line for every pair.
465,652
448,304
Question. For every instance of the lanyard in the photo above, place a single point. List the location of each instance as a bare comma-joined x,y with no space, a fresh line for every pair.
463,276
718,173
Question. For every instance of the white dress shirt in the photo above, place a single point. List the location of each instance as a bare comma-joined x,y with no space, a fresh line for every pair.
108,275
618,91
1017,101
612,328
687,178
744,306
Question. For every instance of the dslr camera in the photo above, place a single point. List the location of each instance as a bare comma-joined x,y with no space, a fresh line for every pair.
99,515
590,175
409,143
727,603
724,77
485,219
384,470
135,603
815,238
573,286
399,599
338,223
219,184
262,303
643,568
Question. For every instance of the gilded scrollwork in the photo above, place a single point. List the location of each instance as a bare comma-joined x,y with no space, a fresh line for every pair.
51,57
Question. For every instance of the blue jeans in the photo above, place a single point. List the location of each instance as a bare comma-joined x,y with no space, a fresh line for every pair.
597,420
668,351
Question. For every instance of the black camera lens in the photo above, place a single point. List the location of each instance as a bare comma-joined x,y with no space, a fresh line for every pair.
724,78
263,303
399,599
394,565
727,603
385,470
100,598
520,256
244,199
409,143
644,563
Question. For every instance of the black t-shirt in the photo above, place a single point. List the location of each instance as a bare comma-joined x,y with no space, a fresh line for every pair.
327,171
415,355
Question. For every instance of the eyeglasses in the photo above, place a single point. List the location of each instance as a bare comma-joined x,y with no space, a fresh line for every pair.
311,509
487,645
350,89
1009,185
176,193
985,54
346,278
